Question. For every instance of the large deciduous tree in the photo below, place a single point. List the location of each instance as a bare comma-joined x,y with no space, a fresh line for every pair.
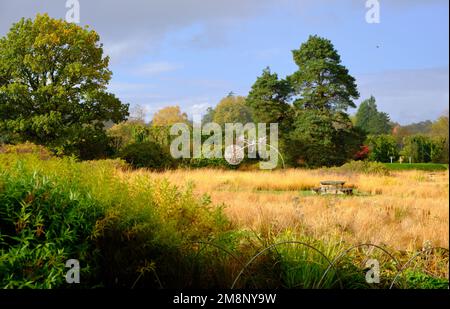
53,79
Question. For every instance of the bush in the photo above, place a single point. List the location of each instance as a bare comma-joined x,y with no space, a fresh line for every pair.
124,233
208,163
146,155
44,221
424,149
419,280
382,148
27,147
366,167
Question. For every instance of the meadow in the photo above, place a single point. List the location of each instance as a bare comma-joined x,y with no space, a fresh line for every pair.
217,228
402,210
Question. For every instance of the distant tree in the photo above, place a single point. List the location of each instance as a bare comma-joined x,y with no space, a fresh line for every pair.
127,132
440,128
168,116
400,133
423,127
268,98
137,114
232,109
209,116
148,155
424,149
372,121
382,147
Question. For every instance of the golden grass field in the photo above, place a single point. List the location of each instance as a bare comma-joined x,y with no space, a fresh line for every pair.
402,211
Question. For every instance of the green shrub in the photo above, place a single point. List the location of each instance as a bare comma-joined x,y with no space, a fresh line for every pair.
420,280
135,231
382,148
147,155
366,167
125,234
208,163
424,149
44,221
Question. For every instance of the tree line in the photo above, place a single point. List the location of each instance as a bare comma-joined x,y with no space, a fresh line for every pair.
53,92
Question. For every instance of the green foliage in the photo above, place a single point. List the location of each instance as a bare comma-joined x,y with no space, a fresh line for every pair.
209,116
131,231
268,98
424,149
322,82
382,147
232,109
53,79
369,119
422,127
440,129
303,267
125,234
146,154
209,163
127,132
44,221
323,139
419,280
322,133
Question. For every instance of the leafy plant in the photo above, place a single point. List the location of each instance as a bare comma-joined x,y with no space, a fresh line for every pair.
146,154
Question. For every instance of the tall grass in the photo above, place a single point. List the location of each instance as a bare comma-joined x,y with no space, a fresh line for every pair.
402,210
200,228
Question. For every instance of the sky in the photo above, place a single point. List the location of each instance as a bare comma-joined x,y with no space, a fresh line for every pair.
192,53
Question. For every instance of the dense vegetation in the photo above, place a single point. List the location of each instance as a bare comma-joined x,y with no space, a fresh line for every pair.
131,230
53,79
144,232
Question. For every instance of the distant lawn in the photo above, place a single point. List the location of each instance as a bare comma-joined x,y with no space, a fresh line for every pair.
416,166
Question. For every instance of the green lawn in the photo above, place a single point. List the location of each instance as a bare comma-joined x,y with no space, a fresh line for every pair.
417,166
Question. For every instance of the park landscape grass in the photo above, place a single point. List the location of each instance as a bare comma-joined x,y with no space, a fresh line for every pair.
402,210
205,227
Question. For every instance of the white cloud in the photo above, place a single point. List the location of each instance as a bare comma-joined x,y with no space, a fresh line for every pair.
135,20
198,110
408,95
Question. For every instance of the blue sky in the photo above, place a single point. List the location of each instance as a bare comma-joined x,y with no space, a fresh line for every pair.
191,53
